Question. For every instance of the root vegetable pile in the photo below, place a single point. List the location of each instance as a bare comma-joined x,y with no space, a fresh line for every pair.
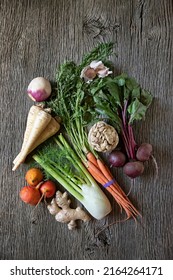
98,112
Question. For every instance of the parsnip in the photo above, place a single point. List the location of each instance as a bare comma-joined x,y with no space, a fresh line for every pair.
51,129
30,120
41,121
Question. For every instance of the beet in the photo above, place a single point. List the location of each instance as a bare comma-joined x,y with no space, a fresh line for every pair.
117,159
144,152
133,169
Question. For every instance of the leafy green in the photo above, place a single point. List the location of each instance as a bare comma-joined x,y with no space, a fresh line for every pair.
136,110
146,98
101,52
120,100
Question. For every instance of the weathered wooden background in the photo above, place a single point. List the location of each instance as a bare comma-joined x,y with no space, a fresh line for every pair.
35,36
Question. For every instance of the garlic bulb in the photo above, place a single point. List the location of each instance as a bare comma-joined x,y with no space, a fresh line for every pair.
103,137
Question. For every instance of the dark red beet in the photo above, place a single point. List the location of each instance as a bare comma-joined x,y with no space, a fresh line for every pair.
133,169
144,152
117,159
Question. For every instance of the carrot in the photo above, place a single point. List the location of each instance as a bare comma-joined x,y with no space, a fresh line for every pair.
96,171
41,121
103,169
92,158
96,176
102,174
123,204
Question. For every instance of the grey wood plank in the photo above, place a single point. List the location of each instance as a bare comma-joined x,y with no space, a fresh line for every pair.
35,37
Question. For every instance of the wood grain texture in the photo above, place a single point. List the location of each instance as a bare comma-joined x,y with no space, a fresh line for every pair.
35,37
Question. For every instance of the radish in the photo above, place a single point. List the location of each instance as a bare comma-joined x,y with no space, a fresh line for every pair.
48,189
39,89
30,195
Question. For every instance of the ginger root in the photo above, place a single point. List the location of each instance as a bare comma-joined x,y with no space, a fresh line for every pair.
103,137
60,208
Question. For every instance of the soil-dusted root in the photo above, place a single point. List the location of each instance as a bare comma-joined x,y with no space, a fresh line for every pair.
51,129
41,121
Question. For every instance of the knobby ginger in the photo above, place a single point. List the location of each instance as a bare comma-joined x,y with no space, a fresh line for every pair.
60,208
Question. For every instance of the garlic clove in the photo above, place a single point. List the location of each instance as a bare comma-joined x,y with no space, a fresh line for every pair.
97,64
104,72
88,74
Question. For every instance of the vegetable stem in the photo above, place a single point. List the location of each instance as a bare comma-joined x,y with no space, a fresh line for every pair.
54,173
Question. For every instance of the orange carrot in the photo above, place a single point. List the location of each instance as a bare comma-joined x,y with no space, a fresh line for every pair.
96,170
95,176
102,174
102,168
92,158
129,211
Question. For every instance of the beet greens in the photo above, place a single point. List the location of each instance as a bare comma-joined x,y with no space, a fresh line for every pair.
122,101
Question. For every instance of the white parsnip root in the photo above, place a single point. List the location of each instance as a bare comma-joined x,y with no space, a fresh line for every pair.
60,208
40,126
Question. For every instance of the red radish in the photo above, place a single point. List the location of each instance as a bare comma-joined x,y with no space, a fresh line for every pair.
48,188
30,195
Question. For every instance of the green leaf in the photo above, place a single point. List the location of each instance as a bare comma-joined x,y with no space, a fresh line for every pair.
136,92
146,98
136,110
126,93
103,108
101,52
115,92
131,83
121,79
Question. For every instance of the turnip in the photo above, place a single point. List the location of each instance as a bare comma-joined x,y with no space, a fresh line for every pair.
117,159
133,169
39,89
144,152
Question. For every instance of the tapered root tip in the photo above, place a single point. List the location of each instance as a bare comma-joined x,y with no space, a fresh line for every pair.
15,166
156,166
